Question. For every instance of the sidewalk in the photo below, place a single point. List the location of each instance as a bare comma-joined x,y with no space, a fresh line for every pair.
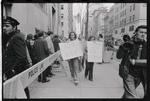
106,84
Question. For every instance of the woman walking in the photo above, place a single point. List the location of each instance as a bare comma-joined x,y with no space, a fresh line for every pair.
74,62
89,65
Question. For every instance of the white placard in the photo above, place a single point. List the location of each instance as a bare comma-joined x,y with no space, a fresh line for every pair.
71,49
94,50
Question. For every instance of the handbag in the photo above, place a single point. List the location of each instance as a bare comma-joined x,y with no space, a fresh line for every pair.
124,66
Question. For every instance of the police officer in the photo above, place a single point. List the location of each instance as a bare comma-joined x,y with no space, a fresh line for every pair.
15,55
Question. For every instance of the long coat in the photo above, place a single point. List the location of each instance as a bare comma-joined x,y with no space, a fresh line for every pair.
15,55
56,42
41,49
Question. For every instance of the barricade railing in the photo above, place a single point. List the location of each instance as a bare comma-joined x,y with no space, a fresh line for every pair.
14,87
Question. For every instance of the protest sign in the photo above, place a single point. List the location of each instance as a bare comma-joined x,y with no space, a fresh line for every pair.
70,50
94,50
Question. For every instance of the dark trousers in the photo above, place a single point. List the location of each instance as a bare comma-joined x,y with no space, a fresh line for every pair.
48,70
89,69
27,92
56,62
42,76
130,84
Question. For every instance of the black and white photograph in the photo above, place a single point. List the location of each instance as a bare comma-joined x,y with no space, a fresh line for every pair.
74,50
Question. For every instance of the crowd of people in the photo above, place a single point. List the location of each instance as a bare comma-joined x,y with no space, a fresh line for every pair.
20,54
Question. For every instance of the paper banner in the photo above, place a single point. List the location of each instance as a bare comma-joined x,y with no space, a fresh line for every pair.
94,50
71,49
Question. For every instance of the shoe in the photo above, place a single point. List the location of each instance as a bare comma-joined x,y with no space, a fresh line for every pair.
52,74
76,82
44,81
49,75
91,79
99,62
71,79
39,80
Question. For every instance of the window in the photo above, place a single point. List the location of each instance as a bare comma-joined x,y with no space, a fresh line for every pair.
116,32
122,30
134,6
120,23
125,12
124,21
130,8
62,24
133,17
131,28
130,18
62,7
121,6
62,32
62,15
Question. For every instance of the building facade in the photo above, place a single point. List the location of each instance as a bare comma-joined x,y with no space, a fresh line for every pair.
34,16
98,21
66,18
127,16
74,24
109,23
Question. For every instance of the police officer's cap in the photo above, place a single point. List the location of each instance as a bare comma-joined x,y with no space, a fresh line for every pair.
10,20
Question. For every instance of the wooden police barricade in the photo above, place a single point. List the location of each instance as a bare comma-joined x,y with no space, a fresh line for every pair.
14,87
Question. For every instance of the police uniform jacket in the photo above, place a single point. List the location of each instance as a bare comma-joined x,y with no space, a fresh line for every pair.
15,57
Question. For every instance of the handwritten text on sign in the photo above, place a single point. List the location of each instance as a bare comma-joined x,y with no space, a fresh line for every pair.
70,50
94,51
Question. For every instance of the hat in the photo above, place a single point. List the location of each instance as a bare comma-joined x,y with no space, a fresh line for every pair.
10,20
29,36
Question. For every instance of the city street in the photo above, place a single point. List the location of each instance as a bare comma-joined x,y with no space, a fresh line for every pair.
37,35
106,84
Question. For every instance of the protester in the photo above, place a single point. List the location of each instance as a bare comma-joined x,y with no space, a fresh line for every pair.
15,60
56,42
51,49
83,46
42,51
30,46
35,37
89,65
51,34
136,62
73,63
100,39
